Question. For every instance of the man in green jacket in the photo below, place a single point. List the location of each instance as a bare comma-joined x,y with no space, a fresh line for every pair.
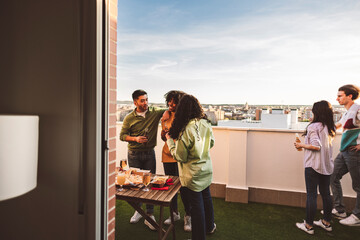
140,131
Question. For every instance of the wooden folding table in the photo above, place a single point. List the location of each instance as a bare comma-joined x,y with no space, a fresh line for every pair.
161,198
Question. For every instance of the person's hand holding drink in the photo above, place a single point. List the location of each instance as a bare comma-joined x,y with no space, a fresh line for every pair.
298,145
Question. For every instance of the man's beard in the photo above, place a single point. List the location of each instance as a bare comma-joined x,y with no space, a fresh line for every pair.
143,109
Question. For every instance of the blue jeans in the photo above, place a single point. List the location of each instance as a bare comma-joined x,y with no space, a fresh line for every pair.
202,213
314,179
171,168
346,161
144,160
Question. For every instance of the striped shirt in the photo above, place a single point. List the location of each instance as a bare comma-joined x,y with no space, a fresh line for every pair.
321,161
351,127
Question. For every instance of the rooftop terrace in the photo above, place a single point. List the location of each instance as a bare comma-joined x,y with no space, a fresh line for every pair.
252,166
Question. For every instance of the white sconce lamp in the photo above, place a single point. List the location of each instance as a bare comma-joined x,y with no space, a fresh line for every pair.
19,138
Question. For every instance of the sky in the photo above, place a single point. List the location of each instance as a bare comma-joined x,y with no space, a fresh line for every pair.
235,51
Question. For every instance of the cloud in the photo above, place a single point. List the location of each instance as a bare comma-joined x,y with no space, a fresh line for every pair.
163,64
244,52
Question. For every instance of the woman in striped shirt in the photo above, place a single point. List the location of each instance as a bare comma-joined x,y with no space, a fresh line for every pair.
318,164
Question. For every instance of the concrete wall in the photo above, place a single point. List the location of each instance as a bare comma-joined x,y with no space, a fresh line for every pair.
245,158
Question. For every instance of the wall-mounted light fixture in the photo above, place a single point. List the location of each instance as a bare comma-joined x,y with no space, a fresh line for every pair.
19,138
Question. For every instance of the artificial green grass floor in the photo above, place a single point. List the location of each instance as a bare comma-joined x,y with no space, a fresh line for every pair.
236,221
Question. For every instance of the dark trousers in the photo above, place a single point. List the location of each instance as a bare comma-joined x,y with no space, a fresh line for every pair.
202,213
346,162
314,179
144,160
171,168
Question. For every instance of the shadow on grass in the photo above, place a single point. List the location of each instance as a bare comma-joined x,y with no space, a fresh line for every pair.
236,221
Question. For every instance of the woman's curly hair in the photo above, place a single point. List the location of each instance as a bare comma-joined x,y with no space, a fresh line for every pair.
188,108
174,95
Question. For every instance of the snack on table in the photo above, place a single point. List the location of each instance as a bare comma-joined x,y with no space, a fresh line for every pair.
132,178
135,179
141,172
159,181
130,171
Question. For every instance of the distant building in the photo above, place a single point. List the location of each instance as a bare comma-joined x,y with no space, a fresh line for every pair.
270,118
276,119
228,114
307,114
337,115
211,116
246,107
122,110
215,115
240,123
120,115
258,114
294,116
220,114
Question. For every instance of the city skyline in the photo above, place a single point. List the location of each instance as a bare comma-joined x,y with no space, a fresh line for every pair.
246,115
232,52
130,102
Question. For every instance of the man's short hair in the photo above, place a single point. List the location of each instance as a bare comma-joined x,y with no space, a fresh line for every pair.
350,89
173,95
137,93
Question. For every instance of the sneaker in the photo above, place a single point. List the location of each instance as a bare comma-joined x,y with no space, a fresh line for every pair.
336,213
136,217
176,218
303,227
351,220
213,230
187,223
320,223
149,224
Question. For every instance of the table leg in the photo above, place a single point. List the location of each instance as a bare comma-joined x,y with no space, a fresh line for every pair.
170,228
172,221
161,221
147,217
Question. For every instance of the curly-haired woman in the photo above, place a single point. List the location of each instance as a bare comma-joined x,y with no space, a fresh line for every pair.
170,165
190,139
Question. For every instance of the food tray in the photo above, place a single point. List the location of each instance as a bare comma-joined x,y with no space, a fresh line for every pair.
159,181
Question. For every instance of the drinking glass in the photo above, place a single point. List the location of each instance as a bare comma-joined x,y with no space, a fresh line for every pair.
123,164
121,177
146,134
146,181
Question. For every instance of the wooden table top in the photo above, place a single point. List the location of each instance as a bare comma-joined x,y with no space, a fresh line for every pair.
157,197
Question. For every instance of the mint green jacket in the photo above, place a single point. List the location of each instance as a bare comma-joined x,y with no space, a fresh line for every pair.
192,151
